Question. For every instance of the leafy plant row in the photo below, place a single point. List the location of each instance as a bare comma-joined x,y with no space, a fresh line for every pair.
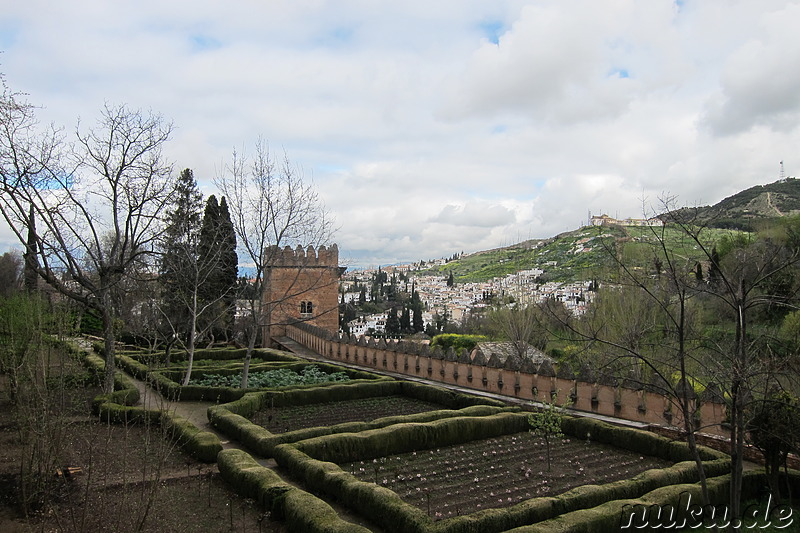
282,377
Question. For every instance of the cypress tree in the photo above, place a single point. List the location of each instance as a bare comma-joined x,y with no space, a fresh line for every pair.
207,248
30,276
217,252
405,320
392,322
229,264
180,248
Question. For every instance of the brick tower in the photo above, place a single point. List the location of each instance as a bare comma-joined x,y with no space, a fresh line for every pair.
300,284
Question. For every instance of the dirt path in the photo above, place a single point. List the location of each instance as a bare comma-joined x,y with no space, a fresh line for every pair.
771,205
194,412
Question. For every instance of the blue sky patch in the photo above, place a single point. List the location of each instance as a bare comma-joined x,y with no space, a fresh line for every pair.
8,36
201,43
336,37
492,30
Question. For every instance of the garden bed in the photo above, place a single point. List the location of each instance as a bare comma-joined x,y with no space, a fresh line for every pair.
234,419
109,477
269,379
497,472
294,417
314,463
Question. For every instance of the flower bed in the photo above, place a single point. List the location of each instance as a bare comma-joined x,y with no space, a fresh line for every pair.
497,472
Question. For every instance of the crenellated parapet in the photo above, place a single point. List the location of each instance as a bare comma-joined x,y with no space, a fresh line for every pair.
322,256
586,389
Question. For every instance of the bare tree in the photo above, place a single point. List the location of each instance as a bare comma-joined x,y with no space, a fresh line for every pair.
667,344
97,205
753,275
271,207
643,329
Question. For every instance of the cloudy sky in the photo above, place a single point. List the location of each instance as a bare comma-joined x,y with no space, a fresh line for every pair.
439,126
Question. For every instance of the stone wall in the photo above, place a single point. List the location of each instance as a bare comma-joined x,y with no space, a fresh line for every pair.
603,395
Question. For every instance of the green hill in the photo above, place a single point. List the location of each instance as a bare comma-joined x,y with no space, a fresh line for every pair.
587,253
748,209
567,256
583,254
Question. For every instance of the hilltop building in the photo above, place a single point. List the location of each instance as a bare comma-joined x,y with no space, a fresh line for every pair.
300,284
605,220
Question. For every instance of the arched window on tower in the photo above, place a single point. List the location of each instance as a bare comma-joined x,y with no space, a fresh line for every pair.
306,309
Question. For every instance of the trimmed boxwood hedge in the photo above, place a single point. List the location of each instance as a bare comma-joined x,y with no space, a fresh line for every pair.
300,510
221,354
313,462
609,516
639,441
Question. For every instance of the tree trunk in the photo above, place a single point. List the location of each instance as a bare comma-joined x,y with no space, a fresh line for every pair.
189,356
688,414
251,344
109,345
737,401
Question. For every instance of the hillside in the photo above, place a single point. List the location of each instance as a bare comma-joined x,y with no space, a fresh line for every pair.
571,255
586,253
746,209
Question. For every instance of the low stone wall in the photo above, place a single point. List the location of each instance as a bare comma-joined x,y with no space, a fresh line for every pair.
517,379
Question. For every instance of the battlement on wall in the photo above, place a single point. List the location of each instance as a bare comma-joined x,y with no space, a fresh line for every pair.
287,256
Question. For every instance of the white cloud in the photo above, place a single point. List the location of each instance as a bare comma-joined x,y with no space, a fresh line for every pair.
432,128
760,83
478,214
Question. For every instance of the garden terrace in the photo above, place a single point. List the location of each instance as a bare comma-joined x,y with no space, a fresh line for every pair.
234,419
167,380
498,472
314,463
284,419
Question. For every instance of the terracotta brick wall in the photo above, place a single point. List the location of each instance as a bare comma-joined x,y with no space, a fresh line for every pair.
617,401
